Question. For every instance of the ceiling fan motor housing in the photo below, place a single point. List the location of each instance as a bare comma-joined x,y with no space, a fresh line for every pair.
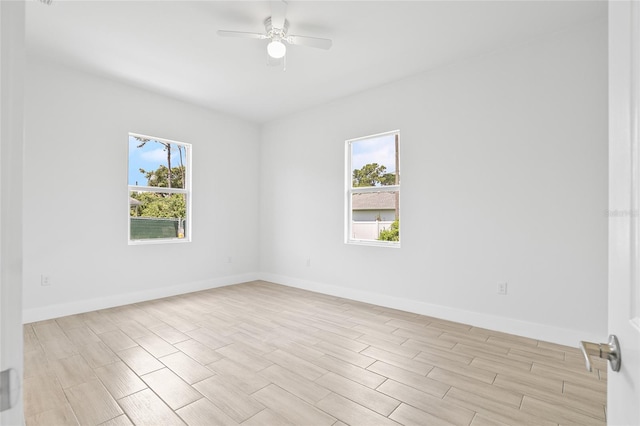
276,33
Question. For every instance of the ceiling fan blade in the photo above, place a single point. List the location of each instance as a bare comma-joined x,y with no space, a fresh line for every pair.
241,34
278,13
320,43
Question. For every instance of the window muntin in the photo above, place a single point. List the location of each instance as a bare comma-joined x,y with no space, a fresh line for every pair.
159,190
372,181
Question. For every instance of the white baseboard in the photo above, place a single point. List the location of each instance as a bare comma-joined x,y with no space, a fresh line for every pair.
532,330
88,305
547,333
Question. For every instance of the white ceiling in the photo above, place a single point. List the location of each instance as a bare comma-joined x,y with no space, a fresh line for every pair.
171,47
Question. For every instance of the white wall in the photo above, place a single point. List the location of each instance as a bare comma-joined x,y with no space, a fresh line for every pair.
75,195
504,164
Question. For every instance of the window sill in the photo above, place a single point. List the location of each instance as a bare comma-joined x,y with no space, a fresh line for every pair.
159,241
373,243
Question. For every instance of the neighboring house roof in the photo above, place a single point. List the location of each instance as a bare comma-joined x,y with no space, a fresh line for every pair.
374,201
133,202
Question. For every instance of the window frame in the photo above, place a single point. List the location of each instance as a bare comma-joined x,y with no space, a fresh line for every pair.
350,190
187,190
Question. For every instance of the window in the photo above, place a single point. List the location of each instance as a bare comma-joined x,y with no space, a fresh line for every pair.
159,190
372,183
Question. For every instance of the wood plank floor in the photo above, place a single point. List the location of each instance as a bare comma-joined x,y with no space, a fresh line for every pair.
264,354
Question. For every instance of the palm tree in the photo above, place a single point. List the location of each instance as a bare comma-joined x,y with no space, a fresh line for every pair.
167,147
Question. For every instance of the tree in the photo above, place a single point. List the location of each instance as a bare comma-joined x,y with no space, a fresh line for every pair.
372,174
388,179
392,234
160,177
169,170
167,148
160,205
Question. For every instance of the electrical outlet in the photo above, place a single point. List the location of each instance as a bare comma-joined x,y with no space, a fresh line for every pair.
229,260
308,261
45,280
502,288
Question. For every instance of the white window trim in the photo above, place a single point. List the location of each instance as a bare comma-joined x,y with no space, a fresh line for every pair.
188,191
349,191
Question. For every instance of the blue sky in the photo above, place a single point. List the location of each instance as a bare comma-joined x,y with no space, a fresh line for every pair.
151,156
379,149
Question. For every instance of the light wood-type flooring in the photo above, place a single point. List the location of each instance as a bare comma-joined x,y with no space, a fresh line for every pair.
265,354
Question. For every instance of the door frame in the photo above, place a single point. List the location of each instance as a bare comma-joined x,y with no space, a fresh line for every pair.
12,52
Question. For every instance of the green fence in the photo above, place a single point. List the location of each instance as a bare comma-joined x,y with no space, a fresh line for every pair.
144,228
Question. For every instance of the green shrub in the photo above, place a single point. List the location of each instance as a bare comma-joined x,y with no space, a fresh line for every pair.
392,234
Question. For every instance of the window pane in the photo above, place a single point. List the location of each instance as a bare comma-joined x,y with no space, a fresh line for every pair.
157,163
157,215
373,190
374,161
374,216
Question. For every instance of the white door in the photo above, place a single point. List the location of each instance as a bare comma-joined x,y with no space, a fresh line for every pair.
11,128
623,399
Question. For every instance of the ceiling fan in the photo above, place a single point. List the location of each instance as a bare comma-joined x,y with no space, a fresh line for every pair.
276,31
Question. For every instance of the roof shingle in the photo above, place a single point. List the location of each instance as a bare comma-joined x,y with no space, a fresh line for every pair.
374,201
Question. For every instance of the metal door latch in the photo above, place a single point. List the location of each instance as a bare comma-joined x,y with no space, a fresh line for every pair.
610,351
9,391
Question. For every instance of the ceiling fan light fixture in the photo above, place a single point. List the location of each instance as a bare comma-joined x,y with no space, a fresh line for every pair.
276,49
276,35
